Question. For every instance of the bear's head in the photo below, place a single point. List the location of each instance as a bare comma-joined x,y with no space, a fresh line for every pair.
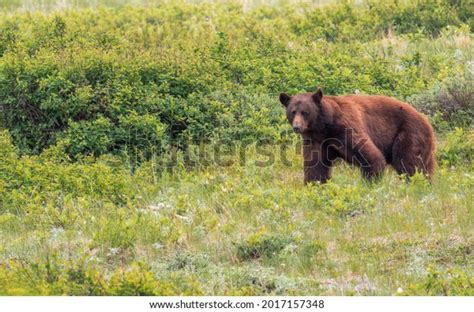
303,110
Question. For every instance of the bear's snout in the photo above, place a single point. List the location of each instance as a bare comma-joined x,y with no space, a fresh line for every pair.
297,128
298,123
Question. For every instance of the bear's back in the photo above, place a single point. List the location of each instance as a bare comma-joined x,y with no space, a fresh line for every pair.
382,118
381,107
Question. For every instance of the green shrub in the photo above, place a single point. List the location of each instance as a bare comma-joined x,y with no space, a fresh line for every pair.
168,75
450,282
67,278
141,135
29,184
451,102
343,201
258,246
457,149
50,278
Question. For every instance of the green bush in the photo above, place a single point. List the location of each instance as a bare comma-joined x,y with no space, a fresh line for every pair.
258,246
173,74
449,282
135,134
457,149
32,183
67,278
451,102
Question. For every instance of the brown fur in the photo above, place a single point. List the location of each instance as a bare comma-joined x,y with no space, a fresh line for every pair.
369,131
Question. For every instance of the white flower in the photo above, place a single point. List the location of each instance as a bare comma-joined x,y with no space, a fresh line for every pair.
114,251
186,219
155,209
157,245
55,233
399,67
470,66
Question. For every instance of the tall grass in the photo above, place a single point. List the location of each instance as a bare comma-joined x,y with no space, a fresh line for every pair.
242,228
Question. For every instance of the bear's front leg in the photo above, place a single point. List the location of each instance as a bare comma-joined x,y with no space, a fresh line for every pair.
370,159
317,165
361,151
374,169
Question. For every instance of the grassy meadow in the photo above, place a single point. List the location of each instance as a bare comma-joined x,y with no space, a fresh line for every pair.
143,150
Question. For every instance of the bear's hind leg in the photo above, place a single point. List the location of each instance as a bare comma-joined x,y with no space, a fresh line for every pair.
407,155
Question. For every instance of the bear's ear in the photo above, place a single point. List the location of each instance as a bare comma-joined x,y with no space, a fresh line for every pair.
285,99
318,96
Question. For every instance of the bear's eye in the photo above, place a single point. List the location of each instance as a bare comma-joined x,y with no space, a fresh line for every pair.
304,114
293,113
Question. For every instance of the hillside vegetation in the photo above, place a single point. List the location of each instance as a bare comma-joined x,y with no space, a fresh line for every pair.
143,150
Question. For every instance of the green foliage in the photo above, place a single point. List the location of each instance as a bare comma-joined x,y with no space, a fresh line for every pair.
451,103
50,278
139,281
95,227
344,201
173,74
60,278
458,149
451,282
141,135
258,245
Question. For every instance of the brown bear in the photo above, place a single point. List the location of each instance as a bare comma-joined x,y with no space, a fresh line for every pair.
369,131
